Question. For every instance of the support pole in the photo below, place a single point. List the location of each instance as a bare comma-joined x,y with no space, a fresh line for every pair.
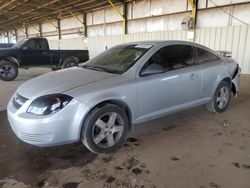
40,30
59,29
8,37
125,15
196,12
194,5
85,25
123,20
16,35
26,32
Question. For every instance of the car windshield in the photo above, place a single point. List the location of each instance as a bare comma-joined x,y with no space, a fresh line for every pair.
19,44
118,59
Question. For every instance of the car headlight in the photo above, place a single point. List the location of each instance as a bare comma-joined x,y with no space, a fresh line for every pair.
49,104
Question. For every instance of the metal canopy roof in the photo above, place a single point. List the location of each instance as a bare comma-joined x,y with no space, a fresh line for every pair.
23,13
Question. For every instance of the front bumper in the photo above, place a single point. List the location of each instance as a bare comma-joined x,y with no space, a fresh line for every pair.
55,129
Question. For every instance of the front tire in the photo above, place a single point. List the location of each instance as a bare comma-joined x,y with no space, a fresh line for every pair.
8,71
221,98
105,128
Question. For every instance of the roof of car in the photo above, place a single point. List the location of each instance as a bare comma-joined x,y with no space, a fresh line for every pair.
166,42
155,42
171,42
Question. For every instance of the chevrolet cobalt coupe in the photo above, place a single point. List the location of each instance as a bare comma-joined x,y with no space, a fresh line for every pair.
101,100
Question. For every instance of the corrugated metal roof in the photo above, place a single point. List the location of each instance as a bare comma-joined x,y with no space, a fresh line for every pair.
23,13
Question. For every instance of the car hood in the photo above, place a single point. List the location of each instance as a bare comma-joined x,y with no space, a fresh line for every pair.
60,81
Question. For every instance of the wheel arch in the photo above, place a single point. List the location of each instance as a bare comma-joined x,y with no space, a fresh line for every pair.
117,102
229,81
12,59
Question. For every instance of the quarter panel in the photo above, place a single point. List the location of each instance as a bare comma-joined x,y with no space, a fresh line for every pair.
213,73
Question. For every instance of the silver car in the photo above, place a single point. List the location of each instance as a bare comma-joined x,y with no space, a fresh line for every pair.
100,101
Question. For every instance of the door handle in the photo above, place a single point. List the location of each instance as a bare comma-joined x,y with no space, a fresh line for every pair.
194,76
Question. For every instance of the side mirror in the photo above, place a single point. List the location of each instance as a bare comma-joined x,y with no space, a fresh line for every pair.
152,69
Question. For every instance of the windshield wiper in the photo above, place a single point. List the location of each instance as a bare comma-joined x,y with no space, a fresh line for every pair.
94,68
100,69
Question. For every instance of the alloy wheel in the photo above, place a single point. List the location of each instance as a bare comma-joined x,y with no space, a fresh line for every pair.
6,71
223,97
108,130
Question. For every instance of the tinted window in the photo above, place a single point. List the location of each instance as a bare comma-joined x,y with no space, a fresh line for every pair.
30,44
37,44
173,57
41,44
205,56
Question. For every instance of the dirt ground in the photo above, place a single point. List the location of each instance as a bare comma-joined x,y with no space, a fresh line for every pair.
193,148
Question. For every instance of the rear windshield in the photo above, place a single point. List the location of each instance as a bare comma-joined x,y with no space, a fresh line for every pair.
119,59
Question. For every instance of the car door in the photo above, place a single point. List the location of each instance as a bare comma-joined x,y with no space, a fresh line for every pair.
35,53
175,88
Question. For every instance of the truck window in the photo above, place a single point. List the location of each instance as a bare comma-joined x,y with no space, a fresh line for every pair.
30,45
36,44
41,44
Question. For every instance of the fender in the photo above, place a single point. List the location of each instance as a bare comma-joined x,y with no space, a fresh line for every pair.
13,60
117,102
219,79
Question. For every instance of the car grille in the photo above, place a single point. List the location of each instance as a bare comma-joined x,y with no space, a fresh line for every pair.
19,101
34,137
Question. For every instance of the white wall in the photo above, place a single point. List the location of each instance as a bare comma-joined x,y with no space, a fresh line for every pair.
74,44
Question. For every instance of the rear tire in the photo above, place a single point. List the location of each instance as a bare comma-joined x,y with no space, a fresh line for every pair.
105,128
8,70
221,98
69,62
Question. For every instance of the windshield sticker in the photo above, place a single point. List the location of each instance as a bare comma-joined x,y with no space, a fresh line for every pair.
146,46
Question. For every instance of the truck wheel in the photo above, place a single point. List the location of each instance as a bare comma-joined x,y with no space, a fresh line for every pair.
69,62
8,70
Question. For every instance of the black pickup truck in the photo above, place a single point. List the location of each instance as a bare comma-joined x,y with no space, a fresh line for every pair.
35,52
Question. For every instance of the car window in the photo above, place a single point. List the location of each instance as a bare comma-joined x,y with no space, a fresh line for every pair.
173,57
205,56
